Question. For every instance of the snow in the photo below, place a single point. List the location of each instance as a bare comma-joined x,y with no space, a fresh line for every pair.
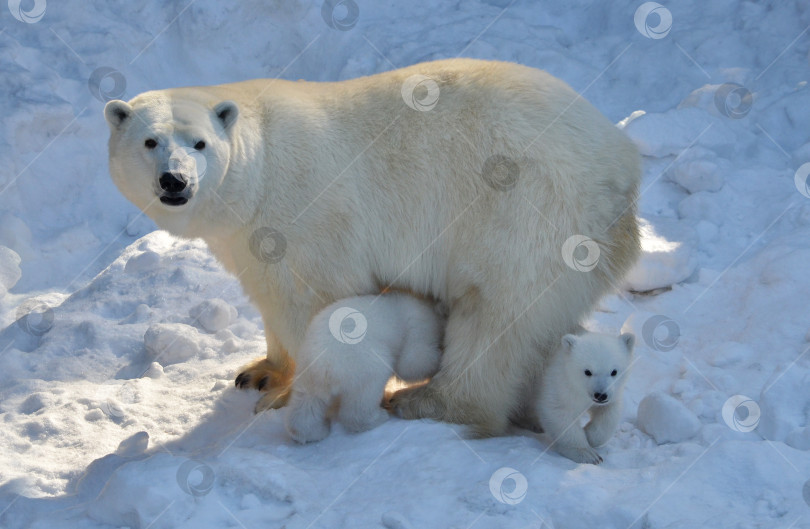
119,344
666,419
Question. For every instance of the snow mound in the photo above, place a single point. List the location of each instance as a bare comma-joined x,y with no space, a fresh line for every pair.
666,419
10,271
668,254
171,343
213,314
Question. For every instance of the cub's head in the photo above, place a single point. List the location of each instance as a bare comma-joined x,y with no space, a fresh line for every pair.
597,364
169,154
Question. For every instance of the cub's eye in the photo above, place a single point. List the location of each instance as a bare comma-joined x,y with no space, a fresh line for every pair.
150,143
614,373
588,373
200,145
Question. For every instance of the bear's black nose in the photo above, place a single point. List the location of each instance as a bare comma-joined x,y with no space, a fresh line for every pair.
172,183
600,397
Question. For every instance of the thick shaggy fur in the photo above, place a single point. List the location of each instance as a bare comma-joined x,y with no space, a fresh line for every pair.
586,375
369,193
392,334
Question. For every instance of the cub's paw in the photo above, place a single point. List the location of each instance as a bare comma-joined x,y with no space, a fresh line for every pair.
581,455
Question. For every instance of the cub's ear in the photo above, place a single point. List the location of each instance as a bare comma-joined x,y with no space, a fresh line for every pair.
227,112
629,340
117,112
568,341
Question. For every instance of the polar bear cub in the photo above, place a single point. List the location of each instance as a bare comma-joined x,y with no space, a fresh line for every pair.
586,373
350,350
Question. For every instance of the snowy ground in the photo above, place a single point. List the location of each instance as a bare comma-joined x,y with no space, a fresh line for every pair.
97,432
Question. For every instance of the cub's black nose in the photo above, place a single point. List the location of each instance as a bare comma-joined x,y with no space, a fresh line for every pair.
172,183
600,397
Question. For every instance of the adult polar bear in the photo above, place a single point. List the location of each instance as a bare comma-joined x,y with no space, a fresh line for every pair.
361,185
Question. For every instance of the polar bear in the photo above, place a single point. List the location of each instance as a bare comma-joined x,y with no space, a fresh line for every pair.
461,180
349,352
585,375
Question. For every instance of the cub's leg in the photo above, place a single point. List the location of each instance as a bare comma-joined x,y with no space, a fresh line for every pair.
567,436
306,419
360,405
603,423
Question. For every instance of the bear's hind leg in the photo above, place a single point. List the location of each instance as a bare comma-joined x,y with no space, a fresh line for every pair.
478,381
306,419
360,406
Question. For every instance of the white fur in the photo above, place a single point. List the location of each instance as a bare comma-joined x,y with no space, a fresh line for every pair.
369,193
567,393
400,336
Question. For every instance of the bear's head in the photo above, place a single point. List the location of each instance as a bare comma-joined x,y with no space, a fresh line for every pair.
168,154
597,364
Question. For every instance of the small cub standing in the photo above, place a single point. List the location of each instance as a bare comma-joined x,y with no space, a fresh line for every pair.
350,350
586,374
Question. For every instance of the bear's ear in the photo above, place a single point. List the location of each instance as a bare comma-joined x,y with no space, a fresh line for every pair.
629,340
116,112
568,341
227,112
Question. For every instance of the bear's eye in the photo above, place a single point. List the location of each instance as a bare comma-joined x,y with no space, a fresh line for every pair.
200,145
614,373
588,373
150,143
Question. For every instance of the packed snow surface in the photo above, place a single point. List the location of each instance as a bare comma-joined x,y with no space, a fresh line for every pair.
120,343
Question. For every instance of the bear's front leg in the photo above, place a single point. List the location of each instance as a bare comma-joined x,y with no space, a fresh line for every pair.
272,375
603,423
